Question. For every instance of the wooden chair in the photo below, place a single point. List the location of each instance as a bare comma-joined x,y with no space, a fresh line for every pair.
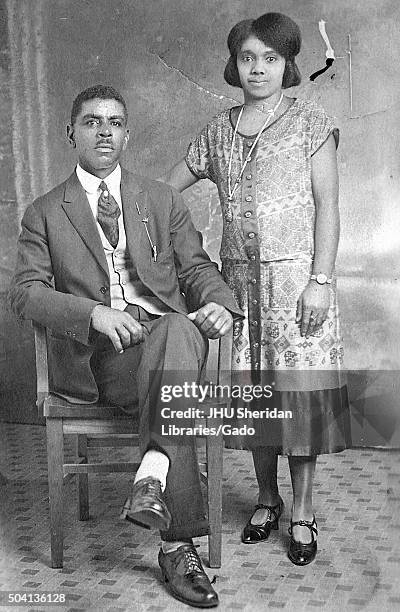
104,426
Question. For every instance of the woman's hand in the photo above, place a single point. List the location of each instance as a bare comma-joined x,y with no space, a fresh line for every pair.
312,308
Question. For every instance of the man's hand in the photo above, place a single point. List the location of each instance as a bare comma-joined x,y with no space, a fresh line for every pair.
212,320
122,329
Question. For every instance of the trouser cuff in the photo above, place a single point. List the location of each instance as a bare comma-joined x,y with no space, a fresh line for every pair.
183,532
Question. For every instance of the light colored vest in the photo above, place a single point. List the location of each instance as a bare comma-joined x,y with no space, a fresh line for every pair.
125,285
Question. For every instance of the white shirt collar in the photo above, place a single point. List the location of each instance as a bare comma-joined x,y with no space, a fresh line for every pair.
91,183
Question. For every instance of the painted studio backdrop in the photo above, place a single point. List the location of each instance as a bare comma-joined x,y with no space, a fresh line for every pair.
167,58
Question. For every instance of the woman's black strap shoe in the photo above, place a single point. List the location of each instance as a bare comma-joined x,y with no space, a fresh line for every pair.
299,553
252,534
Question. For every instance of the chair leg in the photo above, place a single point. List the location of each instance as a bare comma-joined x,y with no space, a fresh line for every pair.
83,480
3,479
214,457
55,459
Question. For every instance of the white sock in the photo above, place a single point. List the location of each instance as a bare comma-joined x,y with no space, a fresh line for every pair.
154,464
168,547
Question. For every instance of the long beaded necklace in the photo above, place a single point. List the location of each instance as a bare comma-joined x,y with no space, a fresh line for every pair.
232,190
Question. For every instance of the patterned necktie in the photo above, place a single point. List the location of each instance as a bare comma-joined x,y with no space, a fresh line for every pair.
107,215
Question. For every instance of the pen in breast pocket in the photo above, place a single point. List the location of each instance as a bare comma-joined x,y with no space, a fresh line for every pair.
145,221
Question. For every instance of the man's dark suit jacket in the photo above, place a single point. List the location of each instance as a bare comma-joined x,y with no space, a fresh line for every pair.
62,273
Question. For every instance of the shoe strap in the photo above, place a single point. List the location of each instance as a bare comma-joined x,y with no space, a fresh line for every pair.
312,526
276,510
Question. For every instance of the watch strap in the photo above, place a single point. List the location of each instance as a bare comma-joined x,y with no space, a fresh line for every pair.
327,281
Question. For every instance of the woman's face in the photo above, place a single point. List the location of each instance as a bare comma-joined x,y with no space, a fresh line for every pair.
260,69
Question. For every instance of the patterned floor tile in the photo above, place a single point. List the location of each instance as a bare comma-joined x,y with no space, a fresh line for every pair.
111,567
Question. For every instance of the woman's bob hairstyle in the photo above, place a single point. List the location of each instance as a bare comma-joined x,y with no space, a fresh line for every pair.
274,29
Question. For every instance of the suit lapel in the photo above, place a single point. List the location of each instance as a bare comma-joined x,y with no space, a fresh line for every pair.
133,198
78,210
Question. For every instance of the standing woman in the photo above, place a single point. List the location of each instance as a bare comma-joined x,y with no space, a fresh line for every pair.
273,160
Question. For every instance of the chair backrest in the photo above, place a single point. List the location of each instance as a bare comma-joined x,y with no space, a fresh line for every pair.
42,369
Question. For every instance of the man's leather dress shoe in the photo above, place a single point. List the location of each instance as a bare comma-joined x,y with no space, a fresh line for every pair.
185,577
146,506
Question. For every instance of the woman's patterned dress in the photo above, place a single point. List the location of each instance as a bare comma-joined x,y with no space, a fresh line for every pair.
267,253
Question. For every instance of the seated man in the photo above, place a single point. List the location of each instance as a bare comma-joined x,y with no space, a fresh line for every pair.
103,261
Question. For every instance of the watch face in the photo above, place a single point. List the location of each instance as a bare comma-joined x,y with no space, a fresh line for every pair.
321,279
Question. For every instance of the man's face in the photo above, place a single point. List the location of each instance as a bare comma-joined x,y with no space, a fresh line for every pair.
100,135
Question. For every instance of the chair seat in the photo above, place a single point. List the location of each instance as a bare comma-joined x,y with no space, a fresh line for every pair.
90,419
56,407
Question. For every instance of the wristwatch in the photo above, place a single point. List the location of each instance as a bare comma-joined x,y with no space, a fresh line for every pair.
321,279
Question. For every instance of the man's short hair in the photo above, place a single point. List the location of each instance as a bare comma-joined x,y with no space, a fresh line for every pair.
104,92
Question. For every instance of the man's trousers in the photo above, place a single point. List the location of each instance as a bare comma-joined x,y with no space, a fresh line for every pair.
174,351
